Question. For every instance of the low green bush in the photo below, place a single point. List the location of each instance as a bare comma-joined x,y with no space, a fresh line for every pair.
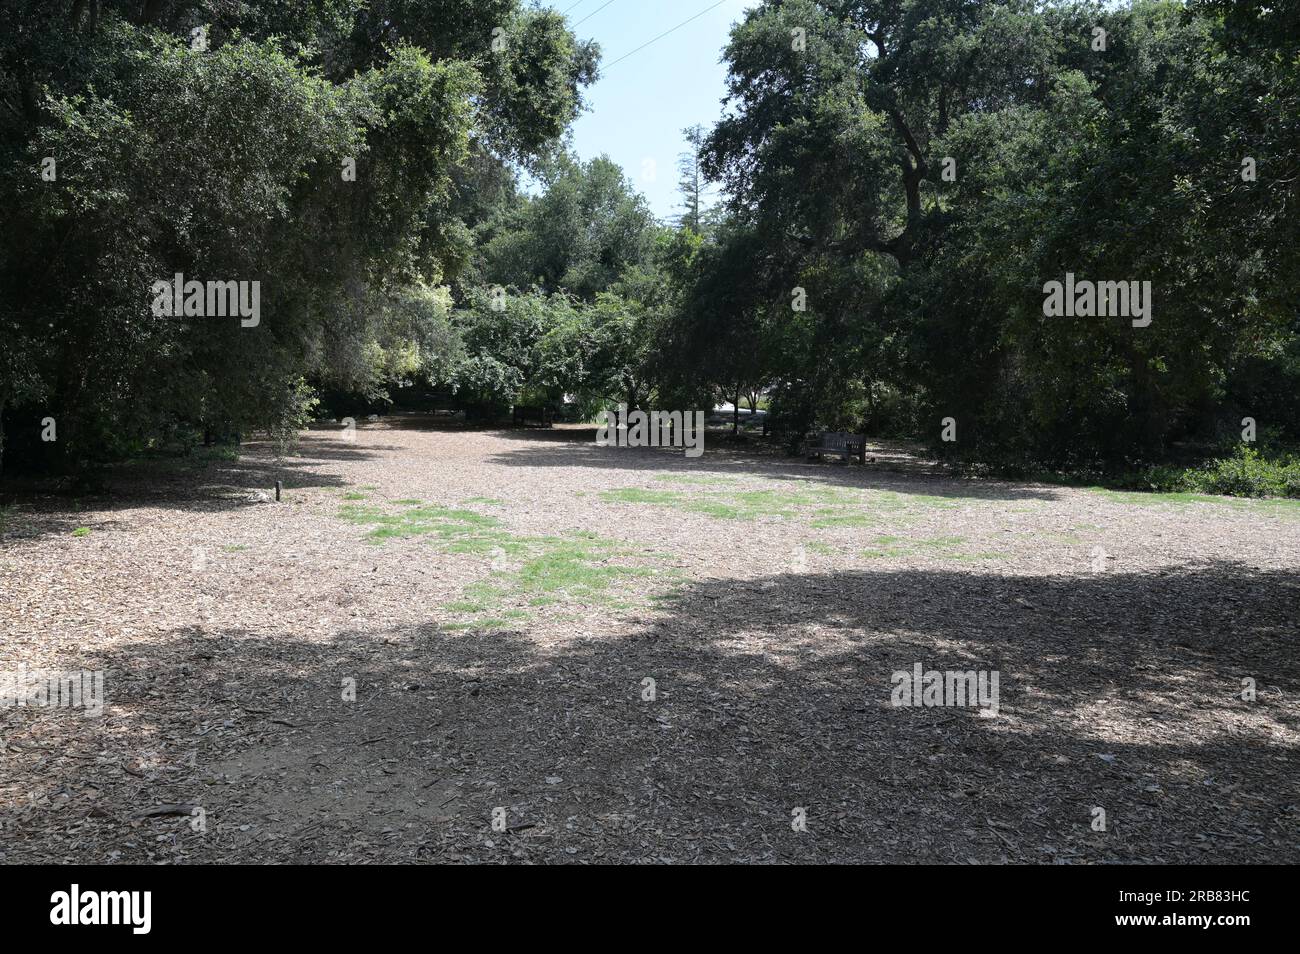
1247,473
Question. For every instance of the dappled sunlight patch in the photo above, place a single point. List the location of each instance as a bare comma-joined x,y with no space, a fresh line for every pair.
1124,722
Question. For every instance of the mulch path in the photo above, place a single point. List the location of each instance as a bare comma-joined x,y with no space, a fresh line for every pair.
229,627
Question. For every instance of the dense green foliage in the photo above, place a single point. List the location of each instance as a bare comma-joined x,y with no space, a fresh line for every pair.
896,182
214,140
1115,164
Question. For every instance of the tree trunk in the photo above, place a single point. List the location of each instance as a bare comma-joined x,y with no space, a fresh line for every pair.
735,413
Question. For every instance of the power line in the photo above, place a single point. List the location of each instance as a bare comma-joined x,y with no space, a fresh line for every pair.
578,4
664,34
593,13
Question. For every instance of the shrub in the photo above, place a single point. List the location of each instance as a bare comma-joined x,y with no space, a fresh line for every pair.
1247,473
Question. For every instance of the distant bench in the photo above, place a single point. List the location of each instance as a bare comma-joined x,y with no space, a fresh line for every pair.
836,444
537,416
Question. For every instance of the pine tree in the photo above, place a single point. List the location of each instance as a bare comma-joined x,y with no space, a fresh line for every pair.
690,180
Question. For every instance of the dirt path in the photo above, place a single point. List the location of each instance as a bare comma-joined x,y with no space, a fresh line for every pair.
500,601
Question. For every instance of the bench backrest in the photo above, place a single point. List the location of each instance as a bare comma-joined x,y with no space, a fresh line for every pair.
838,440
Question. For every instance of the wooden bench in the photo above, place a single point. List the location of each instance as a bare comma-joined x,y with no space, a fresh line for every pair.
836,444
540,415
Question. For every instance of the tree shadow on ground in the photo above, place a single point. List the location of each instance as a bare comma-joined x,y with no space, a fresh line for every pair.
199,484
575,447
1119,692
417,421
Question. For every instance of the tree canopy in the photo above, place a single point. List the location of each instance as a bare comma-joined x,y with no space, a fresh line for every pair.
866,232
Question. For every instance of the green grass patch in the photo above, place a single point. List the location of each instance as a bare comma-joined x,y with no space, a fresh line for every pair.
580,567
465,531
464,607
941,543
542,570
887,553
744,504
1154,498
81,532
1138,498
824,506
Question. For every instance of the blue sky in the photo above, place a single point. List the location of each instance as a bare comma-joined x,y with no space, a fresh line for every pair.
638,108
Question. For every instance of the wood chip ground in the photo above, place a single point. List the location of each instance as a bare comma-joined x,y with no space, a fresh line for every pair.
768,599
